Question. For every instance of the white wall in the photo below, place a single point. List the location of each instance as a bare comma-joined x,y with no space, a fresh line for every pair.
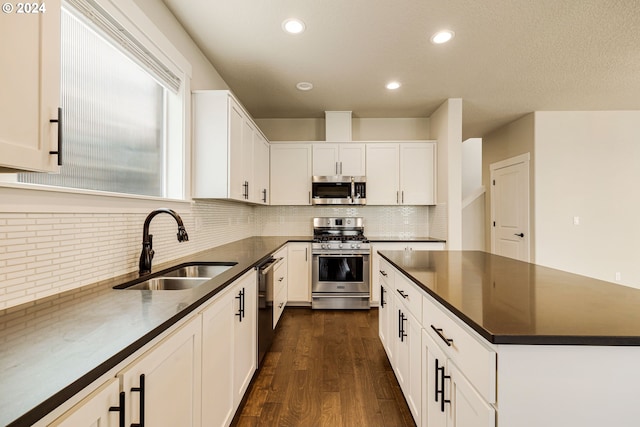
473,237
588,166
446,128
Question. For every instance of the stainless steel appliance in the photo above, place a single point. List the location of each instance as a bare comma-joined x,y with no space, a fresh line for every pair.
340,264
265,305
339,190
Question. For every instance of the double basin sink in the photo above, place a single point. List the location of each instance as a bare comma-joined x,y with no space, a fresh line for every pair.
186,276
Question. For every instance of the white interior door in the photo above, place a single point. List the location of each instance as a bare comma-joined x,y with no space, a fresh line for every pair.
510,208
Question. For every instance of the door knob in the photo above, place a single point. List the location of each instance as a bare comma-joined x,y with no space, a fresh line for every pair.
519,234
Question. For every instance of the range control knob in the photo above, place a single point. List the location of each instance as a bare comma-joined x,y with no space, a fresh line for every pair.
340,245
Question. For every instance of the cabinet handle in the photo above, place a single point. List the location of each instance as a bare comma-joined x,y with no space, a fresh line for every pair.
382,296
442,378
119,409
403,334
281,279
401,292
447,341
141,391
399,324
437,377
264,195
384,273
240,299
58,152
281,304
397,197
309,197
305,254
402,192
340,168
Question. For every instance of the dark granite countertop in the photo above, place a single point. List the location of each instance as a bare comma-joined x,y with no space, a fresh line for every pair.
417,239
52,348
513,302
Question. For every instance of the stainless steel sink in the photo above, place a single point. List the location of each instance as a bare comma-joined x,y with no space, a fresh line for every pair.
183,277
169,283
198,270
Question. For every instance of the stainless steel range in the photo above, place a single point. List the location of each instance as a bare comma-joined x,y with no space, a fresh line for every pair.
340,255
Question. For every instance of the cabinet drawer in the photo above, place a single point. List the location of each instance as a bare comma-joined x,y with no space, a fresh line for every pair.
386,273
475,359
409,293
279,303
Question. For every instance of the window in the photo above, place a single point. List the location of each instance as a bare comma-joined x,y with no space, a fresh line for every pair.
121,109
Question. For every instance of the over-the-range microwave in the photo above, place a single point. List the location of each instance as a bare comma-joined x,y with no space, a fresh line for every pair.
339,190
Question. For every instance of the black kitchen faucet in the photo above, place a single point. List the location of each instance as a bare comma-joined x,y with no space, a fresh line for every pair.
147,239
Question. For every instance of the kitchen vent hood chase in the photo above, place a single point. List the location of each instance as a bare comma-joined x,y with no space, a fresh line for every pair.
337,126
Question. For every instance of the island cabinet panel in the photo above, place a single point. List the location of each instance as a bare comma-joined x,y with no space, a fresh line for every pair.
163,385
562,385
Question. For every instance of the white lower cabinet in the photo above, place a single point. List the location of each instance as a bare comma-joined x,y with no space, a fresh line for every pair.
447,376
394,246
299,273
195,376
95,409
229,353
162,387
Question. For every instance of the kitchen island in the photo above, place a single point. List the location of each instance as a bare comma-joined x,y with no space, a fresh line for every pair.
512,343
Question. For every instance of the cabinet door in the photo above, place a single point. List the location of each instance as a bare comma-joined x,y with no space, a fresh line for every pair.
408,364
261,165
94,409
417,171
169,375
30,87
468,408
434,410
299,272
326,158
290,174
217,361
248,173
245,351
383,174
236,151
384,311
352,161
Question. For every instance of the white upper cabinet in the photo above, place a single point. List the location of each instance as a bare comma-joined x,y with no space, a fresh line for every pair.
339,159
229,150
401,173
30,87
291,174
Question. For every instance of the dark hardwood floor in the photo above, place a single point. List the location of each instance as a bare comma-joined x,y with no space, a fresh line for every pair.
325,368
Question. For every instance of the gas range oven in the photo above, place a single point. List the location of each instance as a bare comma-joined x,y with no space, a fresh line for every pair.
340,258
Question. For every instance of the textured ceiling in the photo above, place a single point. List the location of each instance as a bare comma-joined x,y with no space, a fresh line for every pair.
508,57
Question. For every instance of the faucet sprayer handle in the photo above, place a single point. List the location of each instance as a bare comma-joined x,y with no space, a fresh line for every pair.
182,234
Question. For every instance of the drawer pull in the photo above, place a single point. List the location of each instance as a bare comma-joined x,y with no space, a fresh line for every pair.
402,333
119,409
384,273
447,341
141,390
382,302
281,279
401,292
281,304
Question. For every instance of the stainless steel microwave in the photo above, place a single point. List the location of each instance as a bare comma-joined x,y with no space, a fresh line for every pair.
339,190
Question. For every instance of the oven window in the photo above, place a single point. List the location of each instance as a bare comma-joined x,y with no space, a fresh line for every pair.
340,268
332,190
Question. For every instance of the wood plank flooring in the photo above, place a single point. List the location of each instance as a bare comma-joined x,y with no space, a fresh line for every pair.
325,368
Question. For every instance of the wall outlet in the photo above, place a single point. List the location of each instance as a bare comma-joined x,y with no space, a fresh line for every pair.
618,276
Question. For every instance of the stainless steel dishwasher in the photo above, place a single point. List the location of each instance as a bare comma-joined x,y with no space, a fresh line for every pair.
265,305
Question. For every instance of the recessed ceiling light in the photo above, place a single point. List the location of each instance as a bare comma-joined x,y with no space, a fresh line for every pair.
393,85
304,86
442,36
293,26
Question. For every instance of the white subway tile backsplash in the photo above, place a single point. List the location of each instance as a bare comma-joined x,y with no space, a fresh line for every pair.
43,254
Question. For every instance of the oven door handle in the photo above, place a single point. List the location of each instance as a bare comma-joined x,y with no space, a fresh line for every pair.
343,254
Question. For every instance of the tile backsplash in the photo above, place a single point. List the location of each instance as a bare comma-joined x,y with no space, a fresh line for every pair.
43,254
